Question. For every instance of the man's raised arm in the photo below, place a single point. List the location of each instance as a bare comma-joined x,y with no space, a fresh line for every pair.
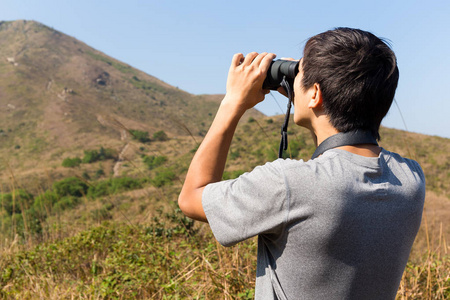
244,90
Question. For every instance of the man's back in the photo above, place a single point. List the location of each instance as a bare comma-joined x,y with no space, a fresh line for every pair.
343,226
337,227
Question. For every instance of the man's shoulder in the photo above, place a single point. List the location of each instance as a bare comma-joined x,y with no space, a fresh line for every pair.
393,157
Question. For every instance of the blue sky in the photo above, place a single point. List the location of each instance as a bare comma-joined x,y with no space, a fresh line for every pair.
189,44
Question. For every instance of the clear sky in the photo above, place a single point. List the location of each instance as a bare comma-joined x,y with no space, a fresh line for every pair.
189,44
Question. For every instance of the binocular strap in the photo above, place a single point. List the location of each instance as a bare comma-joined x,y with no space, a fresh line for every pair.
355,137
284,136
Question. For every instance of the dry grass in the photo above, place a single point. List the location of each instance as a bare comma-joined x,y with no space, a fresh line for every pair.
188,265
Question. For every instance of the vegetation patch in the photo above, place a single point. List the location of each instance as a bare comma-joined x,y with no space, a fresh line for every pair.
91,156
163,178
146,85
153,161
160,136
141,136
118,66
70,162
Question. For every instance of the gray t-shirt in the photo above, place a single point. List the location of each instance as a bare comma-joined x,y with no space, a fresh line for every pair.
337,227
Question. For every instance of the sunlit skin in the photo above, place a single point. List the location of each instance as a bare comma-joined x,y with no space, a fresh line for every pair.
244,90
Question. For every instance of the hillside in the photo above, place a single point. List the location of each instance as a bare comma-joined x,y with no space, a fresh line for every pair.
59,96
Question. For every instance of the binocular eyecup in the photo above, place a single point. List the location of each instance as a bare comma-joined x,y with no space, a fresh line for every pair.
278,70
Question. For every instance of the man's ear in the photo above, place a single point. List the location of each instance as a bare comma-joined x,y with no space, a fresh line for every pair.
316,97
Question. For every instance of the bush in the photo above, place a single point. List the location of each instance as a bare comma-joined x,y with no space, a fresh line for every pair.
16,201
86,175
91,156
153,161
112,186
107,153
160,136
163,178
141,136
71,186
44,202
124,184
99,173
71,162
102,188
66,203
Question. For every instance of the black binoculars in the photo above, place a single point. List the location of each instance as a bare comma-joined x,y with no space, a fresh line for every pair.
281,69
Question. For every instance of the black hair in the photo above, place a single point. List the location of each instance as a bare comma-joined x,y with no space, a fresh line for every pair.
357,73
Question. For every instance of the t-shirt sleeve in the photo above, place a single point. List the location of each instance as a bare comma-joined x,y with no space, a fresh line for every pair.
255,203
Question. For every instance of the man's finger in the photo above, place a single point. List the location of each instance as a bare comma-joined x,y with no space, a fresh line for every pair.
237,59
249,58
259,58
266,61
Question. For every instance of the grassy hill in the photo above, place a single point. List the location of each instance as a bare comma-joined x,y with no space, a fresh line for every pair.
94,154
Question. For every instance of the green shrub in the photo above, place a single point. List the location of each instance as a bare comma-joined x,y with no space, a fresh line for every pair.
71,162
99,173
153,161
91,156
160,136
66,203
44,202
71,186
113,186
141,136
163,178
86,175
15,201
102,188
124,184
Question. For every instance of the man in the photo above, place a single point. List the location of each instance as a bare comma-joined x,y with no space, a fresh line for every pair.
340,226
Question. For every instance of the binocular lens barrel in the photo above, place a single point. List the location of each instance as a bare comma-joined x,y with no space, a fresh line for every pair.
278,70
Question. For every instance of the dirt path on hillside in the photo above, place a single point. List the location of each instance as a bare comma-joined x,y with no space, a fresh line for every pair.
116,169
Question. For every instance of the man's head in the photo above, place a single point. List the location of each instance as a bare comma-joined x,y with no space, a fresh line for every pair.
357,75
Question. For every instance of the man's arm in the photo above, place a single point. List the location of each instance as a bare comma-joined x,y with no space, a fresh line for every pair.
244,90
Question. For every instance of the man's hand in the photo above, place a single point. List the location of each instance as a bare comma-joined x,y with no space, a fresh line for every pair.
245,79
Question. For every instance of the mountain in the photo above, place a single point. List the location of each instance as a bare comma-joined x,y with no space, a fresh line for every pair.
59,96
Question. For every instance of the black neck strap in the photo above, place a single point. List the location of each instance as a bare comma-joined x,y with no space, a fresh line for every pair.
284,135
355,137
